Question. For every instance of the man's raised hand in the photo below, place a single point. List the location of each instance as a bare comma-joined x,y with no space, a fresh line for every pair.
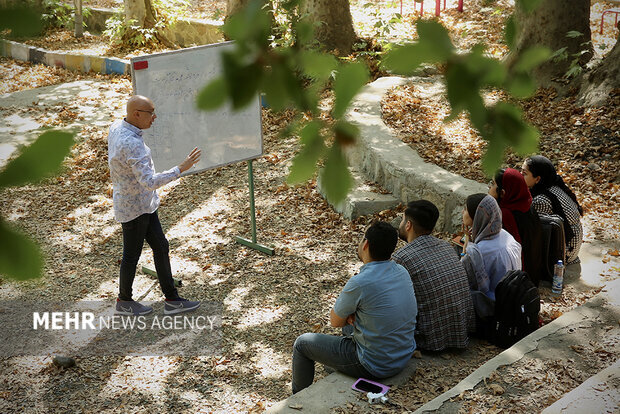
191,159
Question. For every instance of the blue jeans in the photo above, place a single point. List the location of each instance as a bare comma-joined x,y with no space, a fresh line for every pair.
145,227
338,352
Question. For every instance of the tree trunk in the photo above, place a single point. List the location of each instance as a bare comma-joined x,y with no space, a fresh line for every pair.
334,24
145,15
79,19
602,80
234,6
548,26
136,10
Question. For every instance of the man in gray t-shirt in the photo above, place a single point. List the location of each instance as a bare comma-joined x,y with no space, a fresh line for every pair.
379,303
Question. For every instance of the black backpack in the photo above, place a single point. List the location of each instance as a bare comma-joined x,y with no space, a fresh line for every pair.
553,244
517,304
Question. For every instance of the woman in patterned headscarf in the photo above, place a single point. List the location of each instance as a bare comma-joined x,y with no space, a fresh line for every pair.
493,251
551,196
520,219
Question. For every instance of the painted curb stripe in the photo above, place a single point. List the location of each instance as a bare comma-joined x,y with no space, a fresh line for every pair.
37,55
55,60
83,63
97,64
113,65
74,62
20,51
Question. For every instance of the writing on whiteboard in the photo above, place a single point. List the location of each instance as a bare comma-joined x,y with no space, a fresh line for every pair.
172,81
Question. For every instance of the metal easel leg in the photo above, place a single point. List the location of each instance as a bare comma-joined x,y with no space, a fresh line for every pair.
252,243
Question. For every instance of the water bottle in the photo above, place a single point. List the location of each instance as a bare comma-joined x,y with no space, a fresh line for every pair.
558,278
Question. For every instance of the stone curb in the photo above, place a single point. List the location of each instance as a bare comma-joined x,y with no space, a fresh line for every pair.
385,159
600,393
81,63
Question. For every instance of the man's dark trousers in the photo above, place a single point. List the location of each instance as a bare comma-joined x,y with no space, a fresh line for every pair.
145,227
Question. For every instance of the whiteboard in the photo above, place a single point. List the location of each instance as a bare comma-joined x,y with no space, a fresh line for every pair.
172,80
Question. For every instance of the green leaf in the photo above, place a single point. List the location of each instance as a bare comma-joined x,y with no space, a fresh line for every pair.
22,21
532,57
477,111
350,79
38,160
250,26
237,73
509,128
573,34
346,132
304,163
528,140
529,5
305,32
436,37
521,85
463,94
20,257
289,5
213,95
275,89
434,46
336,179
235,27
492,159
573,70
403,60
489,72
559,55
318,65
510,32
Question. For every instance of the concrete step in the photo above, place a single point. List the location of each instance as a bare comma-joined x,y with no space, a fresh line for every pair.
332,391
363,199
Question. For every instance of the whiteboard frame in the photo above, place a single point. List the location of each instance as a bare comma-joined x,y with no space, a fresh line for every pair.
258,102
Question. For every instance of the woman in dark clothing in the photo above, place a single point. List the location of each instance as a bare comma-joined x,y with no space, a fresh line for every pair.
551,196
520,219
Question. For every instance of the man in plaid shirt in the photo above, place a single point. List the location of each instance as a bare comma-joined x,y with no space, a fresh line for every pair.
445,307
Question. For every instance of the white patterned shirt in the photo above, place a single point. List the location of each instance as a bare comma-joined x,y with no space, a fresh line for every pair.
132,173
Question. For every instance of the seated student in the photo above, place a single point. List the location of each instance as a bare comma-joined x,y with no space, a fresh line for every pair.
520,219
551,196
445,308
493,251
380,304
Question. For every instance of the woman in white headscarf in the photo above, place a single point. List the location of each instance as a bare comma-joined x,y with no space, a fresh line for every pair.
493,251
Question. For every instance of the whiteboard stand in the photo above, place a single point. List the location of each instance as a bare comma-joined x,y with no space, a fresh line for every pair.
253,244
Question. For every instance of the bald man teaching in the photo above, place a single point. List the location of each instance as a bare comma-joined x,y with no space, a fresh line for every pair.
135,205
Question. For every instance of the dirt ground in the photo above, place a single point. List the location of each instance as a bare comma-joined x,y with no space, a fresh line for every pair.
315,255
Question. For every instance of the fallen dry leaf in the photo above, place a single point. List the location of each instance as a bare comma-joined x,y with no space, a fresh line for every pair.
496,389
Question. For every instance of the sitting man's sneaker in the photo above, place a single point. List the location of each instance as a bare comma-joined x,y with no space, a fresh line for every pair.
179,305
131,307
